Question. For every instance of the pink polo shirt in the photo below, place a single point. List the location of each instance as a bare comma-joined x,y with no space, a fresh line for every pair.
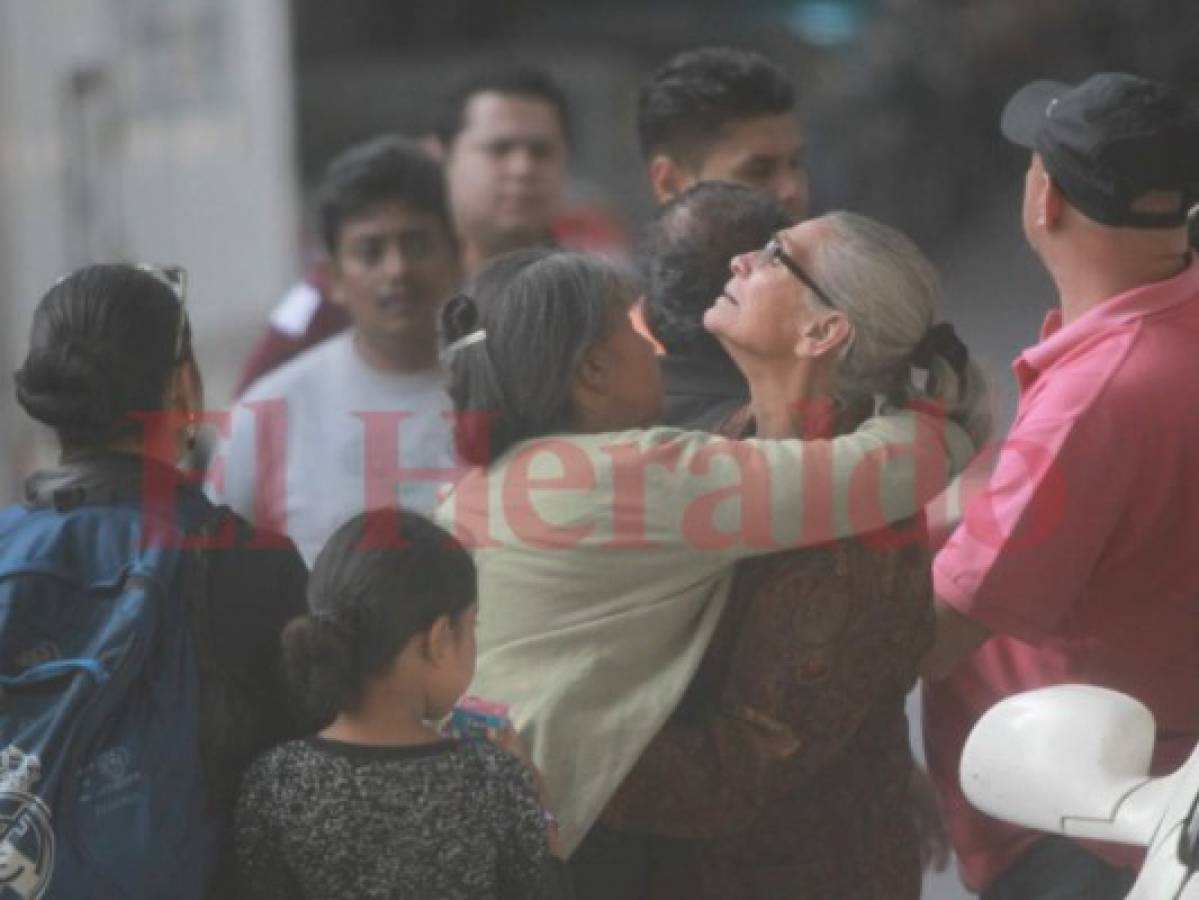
1083,553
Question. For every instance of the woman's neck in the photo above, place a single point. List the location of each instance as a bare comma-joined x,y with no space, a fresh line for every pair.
790,400
381,720
164,449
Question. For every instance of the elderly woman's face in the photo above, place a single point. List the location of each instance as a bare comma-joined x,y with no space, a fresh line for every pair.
765,305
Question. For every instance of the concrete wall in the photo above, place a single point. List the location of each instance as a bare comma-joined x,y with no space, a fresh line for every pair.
143,130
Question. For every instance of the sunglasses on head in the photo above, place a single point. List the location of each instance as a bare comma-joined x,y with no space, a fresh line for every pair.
174,277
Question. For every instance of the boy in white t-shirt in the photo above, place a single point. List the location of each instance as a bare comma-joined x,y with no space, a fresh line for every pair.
362,420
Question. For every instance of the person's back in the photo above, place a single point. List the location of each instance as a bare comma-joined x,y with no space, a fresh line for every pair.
121,408
1124,373
1073,565
379,804
455,819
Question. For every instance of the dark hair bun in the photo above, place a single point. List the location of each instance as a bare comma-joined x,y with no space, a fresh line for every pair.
319,657
76,389
101,350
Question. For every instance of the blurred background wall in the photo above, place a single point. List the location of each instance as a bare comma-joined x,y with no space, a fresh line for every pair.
150,130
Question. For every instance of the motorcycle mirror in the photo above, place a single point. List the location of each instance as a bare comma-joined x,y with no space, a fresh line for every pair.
1061,759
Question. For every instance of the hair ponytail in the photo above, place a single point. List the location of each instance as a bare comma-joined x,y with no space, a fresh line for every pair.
382,578
319,658
891,292
964,396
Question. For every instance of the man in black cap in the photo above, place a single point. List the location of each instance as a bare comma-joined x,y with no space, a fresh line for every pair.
1076,564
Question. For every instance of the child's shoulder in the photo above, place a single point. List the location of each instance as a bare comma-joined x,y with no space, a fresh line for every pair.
278,772
284,759
493,762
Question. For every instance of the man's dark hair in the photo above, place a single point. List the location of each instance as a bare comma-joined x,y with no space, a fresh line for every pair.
383,170
685,259
516,81
684,105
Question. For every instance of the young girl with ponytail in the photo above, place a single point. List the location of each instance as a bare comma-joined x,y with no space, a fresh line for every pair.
380,803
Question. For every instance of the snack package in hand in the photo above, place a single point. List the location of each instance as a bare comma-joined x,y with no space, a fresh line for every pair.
472,717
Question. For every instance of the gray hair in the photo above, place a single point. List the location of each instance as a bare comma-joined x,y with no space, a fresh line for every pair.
536,313
891,294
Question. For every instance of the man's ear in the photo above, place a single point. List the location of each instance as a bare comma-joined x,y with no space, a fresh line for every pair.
1051,202
824,335
667,177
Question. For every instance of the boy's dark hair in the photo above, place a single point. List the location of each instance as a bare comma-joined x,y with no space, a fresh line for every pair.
382,578
685,259
102,347
382,170
540,310
684,105
517,81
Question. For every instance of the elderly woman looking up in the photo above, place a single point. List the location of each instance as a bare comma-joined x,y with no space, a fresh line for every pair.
783,771
606,548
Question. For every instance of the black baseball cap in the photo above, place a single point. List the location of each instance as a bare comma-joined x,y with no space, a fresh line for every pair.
1108,141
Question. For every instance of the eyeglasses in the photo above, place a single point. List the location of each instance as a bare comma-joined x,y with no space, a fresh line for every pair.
773,252
174,277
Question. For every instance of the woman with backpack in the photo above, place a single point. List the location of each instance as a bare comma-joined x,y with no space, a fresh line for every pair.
139,623
380,804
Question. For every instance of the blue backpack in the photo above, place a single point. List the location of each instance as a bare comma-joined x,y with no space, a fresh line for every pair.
101,790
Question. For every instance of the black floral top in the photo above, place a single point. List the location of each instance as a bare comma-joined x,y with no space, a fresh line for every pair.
455,819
